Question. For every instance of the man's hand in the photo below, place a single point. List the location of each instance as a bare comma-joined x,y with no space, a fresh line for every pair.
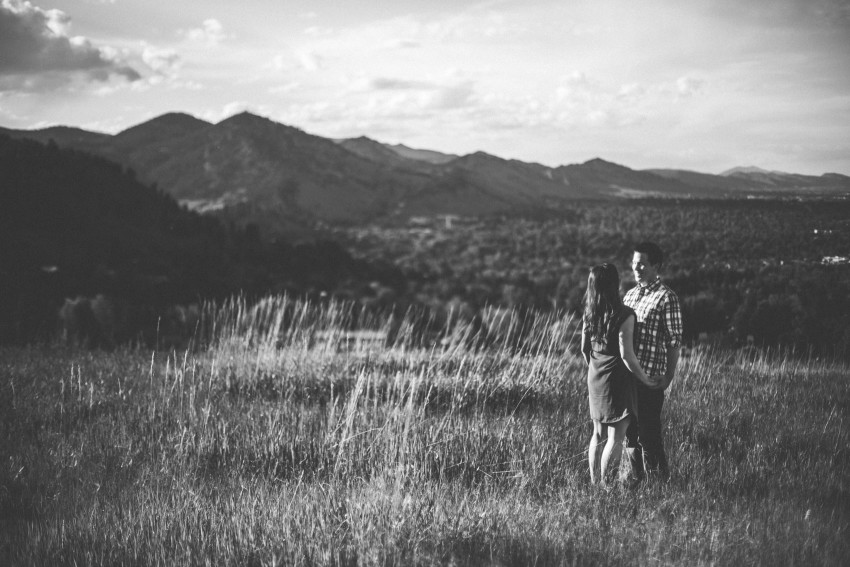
672,362
661,382
654,382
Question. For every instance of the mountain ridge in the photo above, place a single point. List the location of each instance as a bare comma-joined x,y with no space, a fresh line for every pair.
281,177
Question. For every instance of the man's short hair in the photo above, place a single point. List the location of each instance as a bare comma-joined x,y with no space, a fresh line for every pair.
652,250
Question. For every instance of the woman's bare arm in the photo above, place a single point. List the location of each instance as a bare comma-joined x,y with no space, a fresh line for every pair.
627,352
585,344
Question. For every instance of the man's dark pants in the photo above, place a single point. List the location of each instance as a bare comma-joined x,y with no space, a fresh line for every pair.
644,446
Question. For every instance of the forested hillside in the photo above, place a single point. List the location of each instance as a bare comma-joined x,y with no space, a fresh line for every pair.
74,224
770,271
773,270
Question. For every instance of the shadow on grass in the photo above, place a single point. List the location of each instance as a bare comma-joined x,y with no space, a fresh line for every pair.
479,550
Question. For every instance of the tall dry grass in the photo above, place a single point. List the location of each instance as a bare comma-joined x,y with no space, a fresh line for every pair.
265,446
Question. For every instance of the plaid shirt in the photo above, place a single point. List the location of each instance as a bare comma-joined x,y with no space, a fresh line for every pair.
658,327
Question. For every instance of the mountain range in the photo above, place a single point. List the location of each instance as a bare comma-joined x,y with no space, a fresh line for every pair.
251,169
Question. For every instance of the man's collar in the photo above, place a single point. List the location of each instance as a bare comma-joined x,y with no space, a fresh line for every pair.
652,286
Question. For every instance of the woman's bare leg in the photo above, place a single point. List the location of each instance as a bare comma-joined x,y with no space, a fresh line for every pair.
613,448
593,451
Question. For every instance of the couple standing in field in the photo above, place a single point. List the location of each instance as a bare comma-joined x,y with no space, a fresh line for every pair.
631,346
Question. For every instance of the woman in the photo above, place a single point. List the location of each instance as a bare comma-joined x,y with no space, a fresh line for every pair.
608,348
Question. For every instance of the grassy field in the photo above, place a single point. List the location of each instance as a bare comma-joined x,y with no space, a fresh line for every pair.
267,448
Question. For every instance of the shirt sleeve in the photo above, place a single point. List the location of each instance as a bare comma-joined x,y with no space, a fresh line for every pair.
673,321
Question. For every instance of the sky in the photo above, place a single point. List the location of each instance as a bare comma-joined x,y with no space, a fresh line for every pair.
704,85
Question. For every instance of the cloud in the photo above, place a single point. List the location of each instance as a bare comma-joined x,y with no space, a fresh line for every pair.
420,95
402,43
577,102
575,86
471,25
10,115
420,37
233,108
318,31
388,104
688,86
310,60
38,52
384,83
162,61
453,96
211,32
284,88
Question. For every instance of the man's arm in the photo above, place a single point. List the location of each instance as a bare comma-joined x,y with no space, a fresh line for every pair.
672,362
673,323
627,353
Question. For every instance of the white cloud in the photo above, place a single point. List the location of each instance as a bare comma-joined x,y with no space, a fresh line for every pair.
318,31
575,86
472,25
454,96
688,86
310,60
421,40
421,95
56,21
235,107
232,108
402,43
284,88
162,61
631,91
279,62
211,32
9,114
386,83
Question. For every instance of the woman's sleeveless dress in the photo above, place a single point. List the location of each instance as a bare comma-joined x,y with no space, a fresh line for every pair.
611,387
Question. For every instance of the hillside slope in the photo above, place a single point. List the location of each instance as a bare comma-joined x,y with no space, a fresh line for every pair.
250,169
76,224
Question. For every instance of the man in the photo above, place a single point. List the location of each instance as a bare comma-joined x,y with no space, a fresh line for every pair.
658,336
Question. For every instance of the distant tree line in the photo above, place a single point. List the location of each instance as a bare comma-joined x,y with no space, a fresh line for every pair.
745,270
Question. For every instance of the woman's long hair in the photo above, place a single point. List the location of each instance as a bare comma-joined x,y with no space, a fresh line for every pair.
601,300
